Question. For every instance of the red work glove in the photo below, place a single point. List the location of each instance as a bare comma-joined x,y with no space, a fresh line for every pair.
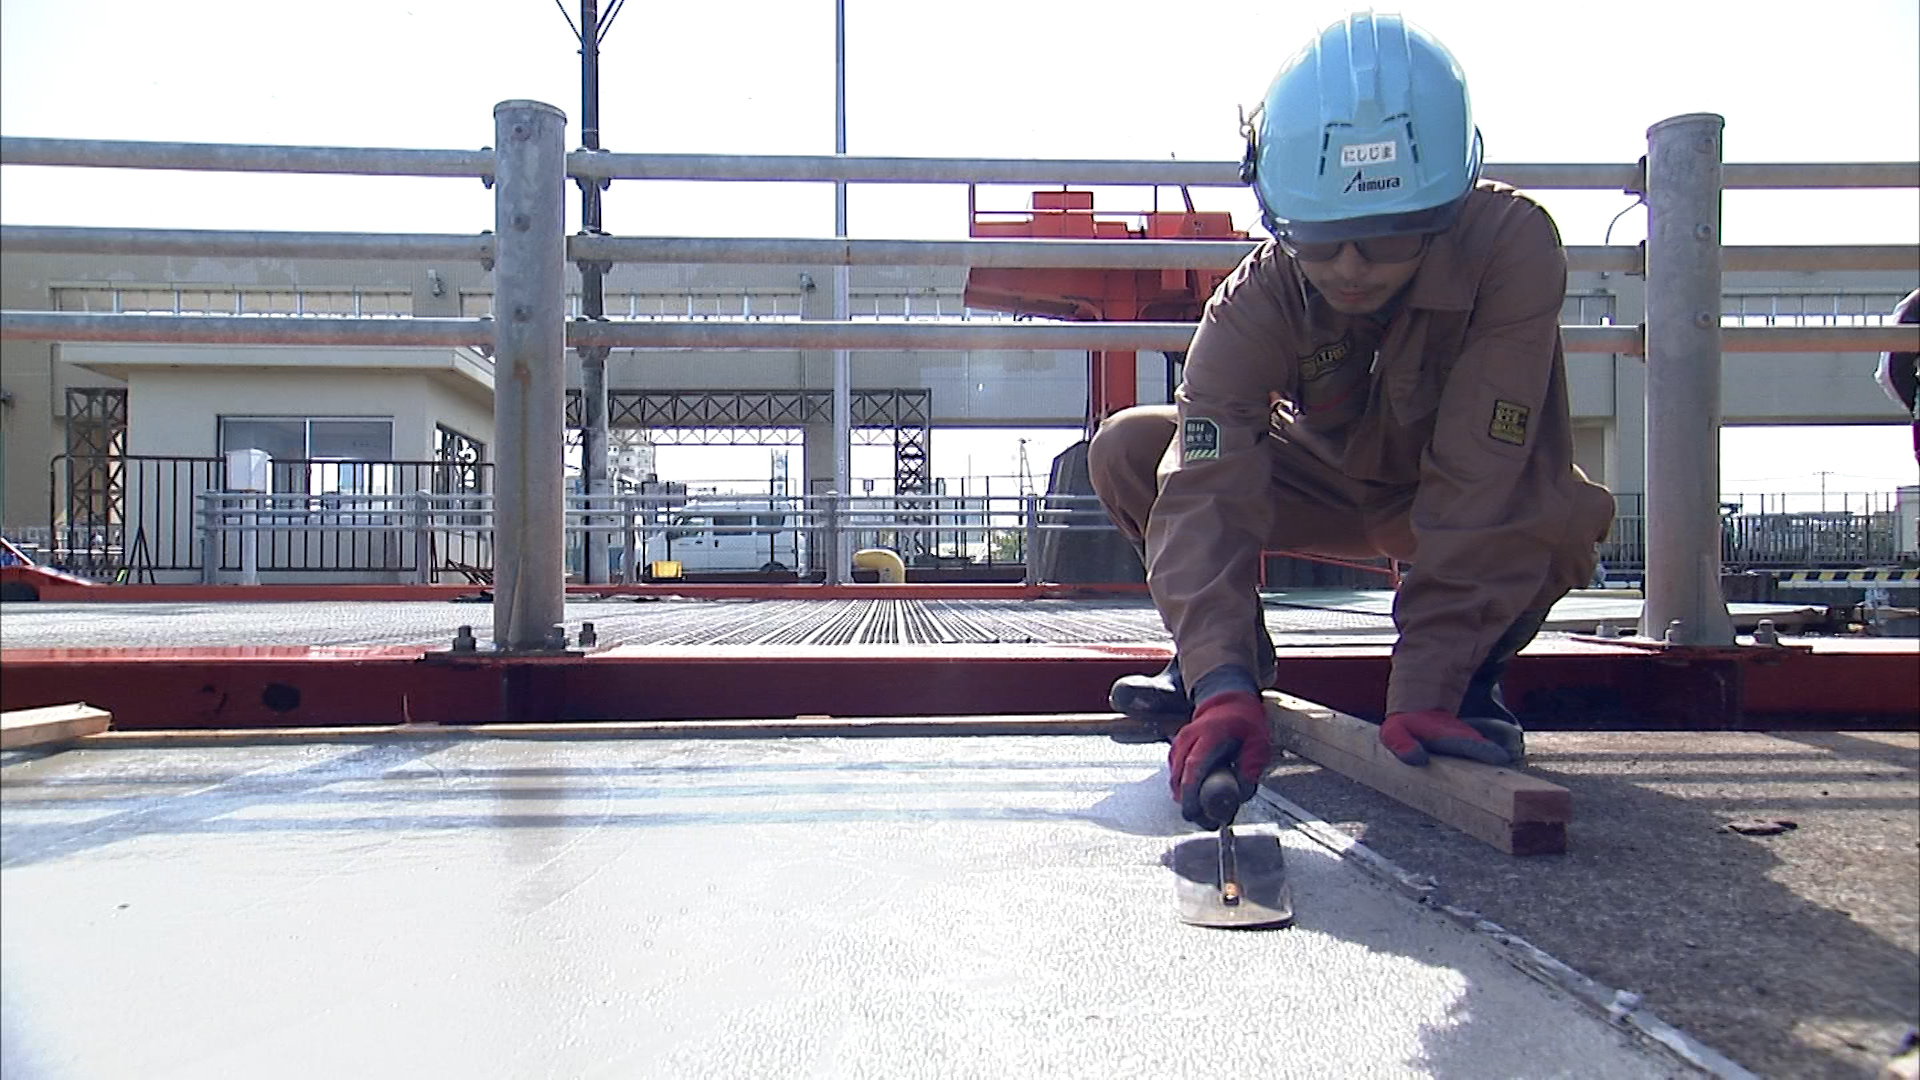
1413,735
1227,729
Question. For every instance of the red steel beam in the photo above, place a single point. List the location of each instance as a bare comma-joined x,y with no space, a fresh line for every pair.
1557,684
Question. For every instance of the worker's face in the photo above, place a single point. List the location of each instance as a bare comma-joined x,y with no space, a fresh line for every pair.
1354,286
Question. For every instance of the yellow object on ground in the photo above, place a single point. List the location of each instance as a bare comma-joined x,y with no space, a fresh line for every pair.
893,570
664,569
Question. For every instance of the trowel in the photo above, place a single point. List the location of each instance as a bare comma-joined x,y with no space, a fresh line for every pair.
1238,882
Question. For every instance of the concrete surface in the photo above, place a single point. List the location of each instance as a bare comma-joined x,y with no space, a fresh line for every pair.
885,908
1796,954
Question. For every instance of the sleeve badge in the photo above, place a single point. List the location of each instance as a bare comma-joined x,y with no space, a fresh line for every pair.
1509,424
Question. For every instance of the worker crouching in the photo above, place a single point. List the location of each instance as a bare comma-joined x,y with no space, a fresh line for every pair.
1384,377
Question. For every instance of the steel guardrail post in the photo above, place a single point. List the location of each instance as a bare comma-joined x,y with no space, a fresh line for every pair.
1684,604
422,538
834,543
529,407
250,539
1030,521
209,555
630,564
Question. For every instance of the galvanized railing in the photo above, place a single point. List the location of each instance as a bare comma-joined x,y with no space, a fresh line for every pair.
426,537
1681,178
179,523
422,537
140,520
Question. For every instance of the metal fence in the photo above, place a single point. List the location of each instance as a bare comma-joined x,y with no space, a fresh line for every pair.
1862,530
150,525
414,537
424,537
1811,541
395,529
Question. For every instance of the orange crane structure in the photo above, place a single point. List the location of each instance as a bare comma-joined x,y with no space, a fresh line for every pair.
1171,295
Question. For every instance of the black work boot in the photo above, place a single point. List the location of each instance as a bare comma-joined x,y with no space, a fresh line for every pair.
1151,695
1158,705
1483,707
1155,706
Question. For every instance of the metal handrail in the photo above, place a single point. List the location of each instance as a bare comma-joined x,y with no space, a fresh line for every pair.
593,164
989,252
746,335
231,157
244,243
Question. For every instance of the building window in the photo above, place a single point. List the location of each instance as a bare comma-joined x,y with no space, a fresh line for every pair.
760,306
231,300
460,459
1809,309
1592,309
310,438
345,455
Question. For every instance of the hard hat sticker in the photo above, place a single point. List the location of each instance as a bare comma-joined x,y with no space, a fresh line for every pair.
1361,183
1199,440
1355,155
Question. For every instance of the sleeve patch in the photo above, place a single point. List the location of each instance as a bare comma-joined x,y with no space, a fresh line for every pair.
1509,424
1199,440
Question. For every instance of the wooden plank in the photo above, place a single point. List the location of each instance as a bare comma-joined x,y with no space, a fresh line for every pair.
1516,813
1504,792
1513,837
55,723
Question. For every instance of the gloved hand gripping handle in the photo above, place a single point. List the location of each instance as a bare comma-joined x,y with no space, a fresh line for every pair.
1221,794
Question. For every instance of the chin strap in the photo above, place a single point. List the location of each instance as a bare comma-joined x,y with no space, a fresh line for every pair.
1250,131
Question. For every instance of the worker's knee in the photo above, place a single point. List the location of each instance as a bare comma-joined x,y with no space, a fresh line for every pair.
1589,519
1593,510
1126,450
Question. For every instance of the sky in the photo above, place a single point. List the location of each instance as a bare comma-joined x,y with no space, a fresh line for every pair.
1551,82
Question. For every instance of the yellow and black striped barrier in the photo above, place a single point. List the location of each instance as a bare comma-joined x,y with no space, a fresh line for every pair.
1802,579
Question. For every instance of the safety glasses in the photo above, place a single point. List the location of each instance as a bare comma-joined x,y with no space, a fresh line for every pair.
1405,247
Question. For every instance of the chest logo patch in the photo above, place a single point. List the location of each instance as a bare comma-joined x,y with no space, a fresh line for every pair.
1509,423
1317,364
1199,440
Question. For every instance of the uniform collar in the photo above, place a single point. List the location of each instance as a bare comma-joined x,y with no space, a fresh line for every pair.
1440,284
1377,320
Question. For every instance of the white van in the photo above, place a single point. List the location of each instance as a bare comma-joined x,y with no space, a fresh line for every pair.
736,535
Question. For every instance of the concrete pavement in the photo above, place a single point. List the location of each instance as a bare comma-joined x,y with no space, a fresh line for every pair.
481,907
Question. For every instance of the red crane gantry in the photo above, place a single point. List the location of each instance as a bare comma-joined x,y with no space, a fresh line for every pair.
1169,295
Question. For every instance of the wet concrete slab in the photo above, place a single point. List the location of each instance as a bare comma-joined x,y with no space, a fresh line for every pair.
810,907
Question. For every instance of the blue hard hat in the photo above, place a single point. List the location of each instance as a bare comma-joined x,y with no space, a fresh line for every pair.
1365,132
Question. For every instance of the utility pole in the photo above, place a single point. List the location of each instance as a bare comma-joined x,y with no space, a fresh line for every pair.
591,31
842,359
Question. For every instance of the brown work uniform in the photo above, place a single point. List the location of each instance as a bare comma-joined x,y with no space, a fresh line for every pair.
1436,432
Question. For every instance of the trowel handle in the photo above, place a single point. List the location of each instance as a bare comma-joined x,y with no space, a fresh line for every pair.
1220,795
